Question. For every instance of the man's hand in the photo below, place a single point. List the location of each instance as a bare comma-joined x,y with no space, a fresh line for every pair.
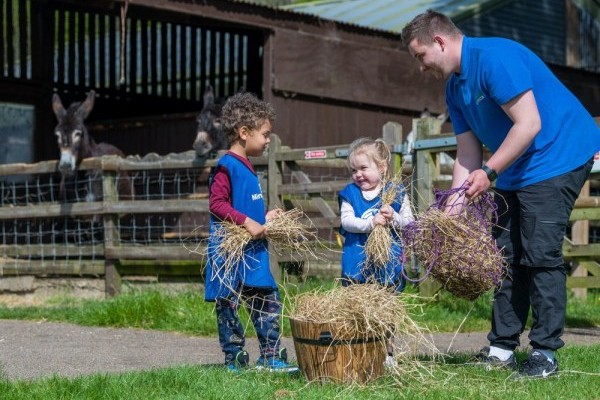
257,231
478,183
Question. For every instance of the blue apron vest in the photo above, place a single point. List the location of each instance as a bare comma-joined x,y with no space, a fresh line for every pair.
353,256
254,270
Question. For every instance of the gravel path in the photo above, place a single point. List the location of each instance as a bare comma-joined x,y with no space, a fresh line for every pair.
30,350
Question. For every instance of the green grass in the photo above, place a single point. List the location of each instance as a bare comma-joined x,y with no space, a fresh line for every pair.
451,379
188,313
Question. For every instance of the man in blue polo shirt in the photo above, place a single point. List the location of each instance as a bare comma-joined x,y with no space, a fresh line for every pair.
501,95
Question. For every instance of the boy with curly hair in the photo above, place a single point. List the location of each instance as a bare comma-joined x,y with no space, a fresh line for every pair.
236,197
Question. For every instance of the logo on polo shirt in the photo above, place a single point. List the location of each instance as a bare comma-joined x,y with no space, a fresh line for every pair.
257,196
480,98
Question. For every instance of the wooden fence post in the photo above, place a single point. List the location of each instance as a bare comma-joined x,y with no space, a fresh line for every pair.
274,179
426,170
112,277
392,135
580,234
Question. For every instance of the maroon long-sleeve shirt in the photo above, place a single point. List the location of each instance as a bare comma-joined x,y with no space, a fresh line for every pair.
219,201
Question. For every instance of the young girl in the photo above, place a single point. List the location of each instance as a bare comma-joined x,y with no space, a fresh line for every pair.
361,210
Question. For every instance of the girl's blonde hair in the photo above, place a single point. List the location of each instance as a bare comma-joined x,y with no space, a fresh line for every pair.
376,149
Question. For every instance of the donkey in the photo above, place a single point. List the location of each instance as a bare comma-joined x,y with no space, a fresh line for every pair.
75,144
209,135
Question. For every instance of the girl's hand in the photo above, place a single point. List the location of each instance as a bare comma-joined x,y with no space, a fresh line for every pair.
387,211
257,231
379,219
273,214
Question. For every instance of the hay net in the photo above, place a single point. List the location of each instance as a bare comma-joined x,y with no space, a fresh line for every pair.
457,248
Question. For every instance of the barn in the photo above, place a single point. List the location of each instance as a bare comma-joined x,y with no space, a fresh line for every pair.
332,75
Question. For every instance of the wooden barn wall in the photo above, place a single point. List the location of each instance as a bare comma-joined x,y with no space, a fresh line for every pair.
377,73
305,123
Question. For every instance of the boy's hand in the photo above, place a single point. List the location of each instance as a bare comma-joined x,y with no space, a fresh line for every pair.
257,231
379,219
273,214
387,211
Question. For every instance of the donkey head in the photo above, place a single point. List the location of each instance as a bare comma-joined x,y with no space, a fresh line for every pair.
209,135
73,140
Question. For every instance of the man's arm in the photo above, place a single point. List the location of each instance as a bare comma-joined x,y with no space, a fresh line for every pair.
523,112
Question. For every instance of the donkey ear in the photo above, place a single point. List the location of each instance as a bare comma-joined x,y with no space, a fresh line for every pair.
208,97
86,107
57,106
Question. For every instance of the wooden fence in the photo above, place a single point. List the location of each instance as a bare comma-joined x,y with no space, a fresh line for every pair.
162,232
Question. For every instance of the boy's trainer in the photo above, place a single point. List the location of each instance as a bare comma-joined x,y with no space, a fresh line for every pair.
493,362
538,366
239,362
277,363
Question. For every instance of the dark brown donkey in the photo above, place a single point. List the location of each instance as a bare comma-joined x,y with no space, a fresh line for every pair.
75,144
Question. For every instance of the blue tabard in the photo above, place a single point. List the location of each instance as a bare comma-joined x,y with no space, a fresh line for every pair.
353,256
254,270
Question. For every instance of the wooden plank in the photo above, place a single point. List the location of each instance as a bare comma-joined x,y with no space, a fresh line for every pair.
72,41
324,208
50,251
10,43
587,282
584,250
153,253
46,210
315,187
325,67
174,268
102,59
308,206
82,59
590,214
24,38
11,267
591,266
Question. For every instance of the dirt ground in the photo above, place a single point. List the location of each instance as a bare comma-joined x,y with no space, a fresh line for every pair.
31,350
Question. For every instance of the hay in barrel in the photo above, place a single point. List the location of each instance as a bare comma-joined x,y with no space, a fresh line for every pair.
458,250
349,329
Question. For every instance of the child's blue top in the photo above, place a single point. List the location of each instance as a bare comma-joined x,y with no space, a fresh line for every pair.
353,255
495,71
254,270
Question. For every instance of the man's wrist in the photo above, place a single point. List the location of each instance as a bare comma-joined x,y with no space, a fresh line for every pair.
491,174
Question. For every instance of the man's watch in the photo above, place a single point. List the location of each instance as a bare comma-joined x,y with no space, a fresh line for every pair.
491,174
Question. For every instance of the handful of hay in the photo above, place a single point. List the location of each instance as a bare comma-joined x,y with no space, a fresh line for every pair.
378,248
458,250
288,232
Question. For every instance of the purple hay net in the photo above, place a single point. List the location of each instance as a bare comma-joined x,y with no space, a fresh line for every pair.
461,255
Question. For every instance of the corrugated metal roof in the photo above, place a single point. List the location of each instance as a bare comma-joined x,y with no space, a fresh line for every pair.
390,15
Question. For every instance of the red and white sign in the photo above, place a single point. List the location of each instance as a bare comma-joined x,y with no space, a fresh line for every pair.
312,154
596,166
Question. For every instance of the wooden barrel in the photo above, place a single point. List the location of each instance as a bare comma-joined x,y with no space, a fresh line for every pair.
325,355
